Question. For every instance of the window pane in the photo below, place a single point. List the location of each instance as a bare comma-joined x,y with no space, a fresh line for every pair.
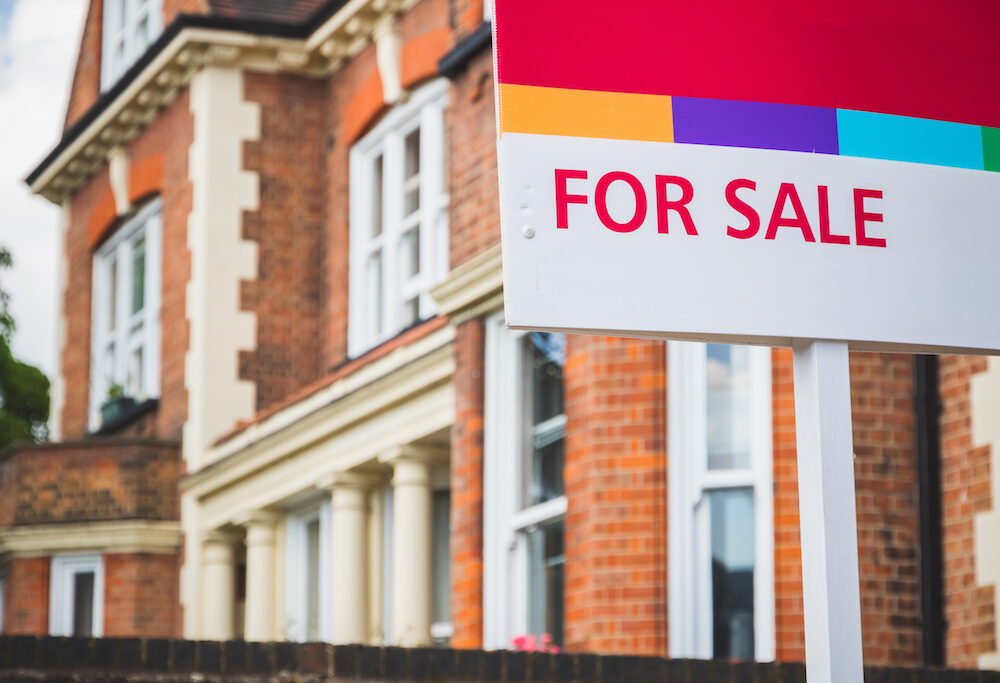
312,581
546,562
120,6
138,274
546,353
409,252
728,406
411,312
135,371
547,474
411,173
374,292
732,523
83,604
376,227
113,295
442,558
141,36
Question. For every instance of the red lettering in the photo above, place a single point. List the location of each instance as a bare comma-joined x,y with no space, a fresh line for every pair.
664,205
861,217
824,219
601,201
753,220
563,199
785,192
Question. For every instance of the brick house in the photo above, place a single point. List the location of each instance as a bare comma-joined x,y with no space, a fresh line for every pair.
281,239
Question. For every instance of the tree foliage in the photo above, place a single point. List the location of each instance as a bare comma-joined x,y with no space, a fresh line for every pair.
24,389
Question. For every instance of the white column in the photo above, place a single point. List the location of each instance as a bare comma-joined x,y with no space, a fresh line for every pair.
411,545
259,619
348,517
218,589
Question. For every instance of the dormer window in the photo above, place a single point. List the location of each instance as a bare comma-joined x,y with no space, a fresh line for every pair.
130,26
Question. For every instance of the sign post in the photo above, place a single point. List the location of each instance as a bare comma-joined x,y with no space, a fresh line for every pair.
824,176
827,517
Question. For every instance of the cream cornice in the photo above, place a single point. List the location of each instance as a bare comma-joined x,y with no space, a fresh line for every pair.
402,374
473,288
325,51
128,536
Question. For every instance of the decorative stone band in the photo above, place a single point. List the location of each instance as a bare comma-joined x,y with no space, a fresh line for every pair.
133,536
733,123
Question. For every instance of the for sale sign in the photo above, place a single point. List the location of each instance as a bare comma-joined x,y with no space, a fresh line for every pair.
753,172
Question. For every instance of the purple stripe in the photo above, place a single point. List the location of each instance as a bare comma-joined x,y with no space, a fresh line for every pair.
735,123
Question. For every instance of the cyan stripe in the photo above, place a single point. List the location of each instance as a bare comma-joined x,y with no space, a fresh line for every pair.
905,138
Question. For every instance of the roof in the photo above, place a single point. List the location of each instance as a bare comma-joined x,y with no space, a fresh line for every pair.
283,12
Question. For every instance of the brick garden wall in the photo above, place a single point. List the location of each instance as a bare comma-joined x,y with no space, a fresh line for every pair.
34,660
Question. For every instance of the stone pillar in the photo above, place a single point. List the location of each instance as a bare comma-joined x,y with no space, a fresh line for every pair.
259,619
348,516
218,586
411,545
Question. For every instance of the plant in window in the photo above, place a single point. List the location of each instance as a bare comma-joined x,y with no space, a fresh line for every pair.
528,643
117,403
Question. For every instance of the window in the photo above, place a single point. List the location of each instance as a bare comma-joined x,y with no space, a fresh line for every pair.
125,326
76,596
308,534
1,604
525,502
130,26
399,219
721,540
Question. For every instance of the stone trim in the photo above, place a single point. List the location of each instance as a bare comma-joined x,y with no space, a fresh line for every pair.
472,289
131,536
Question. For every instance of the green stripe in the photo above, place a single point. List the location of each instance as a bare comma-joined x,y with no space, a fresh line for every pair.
991,149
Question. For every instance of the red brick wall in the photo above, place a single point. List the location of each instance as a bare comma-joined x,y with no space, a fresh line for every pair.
171,8
886,491
168,137
90,481
26,596
141,595
615,479
86,87
288,228
470,121
467,487
965,479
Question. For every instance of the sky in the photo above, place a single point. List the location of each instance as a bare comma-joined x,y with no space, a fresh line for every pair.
38,44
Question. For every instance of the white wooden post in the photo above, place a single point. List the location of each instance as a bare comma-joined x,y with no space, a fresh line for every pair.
827,515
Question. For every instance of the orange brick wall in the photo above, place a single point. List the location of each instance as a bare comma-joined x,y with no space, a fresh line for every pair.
616,485
965,479
467,487
86,86
171,8
886,493
288,229
26,596
169,137
141,595
470,122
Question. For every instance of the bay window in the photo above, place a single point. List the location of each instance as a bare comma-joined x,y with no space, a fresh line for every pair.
525,502
125,326
720,565
399,221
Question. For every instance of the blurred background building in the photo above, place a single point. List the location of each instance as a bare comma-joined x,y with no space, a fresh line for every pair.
288,407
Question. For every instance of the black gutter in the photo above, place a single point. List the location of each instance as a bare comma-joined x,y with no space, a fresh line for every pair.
255,27
455,61
927,407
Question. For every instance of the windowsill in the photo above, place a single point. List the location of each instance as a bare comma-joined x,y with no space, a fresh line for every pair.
129,416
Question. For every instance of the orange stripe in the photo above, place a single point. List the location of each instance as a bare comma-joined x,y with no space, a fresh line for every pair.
585,113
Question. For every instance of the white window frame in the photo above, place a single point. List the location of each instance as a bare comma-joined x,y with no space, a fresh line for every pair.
115,31
132,331
690,480
63,572
296,577
505,524
425,108
1,602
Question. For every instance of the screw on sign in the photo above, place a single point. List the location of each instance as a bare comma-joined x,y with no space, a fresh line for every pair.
782,177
